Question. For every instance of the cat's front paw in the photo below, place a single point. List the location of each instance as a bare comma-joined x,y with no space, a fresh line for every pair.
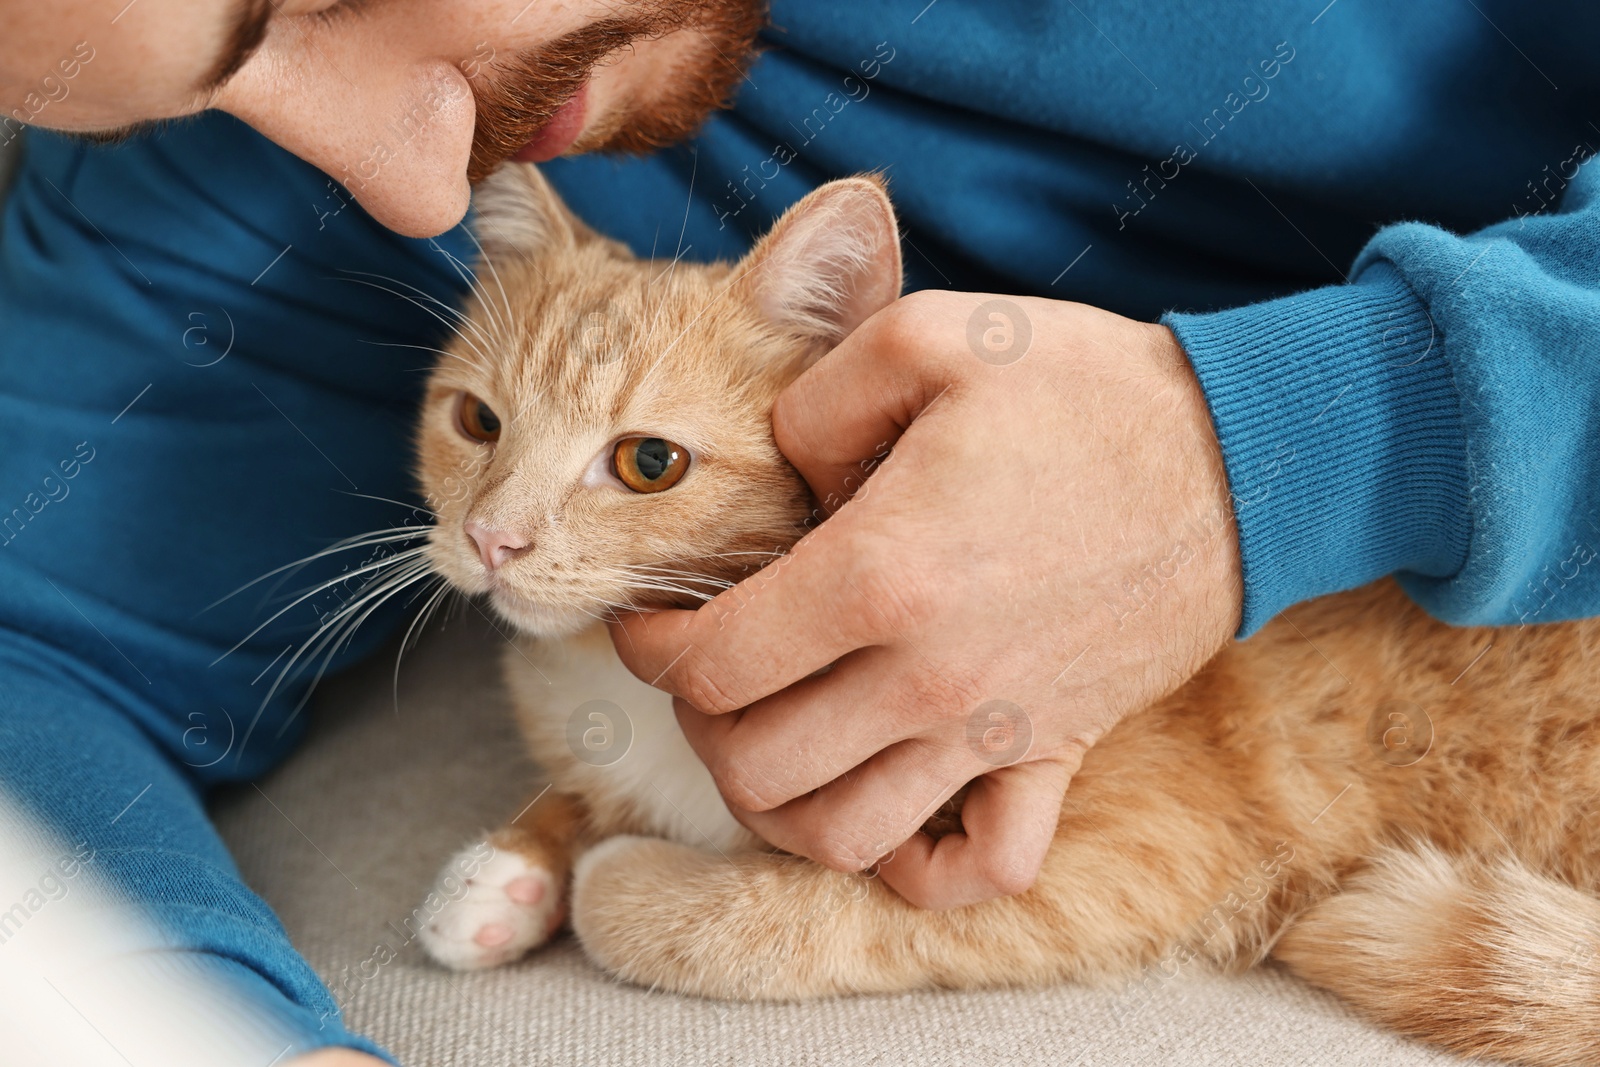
668,916
510,905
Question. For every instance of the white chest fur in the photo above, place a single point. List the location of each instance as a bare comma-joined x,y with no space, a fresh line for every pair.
577,700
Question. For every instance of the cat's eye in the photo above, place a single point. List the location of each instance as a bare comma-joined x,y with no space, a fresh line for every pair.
649,464
477,420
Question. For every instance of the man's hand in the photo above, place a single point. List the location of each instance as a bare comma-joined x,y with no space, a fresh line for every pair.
1049,547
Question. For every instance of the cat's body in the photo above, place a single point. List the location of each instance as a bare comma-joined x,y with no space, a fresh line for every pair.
1403,812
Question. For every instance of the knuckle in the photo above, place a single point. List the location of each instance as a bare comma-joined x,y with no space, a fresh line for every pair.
926,698
959,692
789,424
1006,872
893,328
896,595
905,320
696,679
899,333
928,898
839,852
745,785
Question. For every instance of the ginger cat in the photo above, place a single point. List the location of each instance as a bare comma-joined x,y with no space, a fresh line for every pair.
599,437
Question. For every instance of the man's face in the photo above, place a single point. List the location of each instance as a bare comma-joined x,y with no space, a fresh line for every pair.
400,100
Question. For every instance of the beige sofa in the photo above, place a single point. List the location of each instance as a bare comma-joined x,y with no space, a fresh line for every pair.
387,787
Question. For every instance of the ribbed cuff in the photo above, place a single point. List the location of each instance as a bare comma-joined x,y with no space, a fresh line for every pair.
1342,435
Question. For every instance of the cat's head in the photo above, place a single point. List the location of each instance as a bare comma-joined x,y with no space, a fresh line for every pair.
599,433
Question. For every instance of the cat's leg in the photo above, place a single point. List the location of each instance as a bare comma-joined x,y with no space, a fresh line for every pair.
514,897
771,926
1117,893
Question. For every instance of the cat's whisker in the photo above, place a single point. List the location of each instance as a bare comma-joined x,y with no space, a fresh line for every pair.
491,312
363,540
378,581
434,308
502,315
670,588
486,362
332,644
399,558
378,586
596,616
329,629
473,366
665,580
632,609
636,579
480,364
406,642
614,607
670,270
494,271
417,626
724,555
420,348
751,566
654,577
682,581
718,582
445,590
662,585
336,631
408,504
652,568
421,297
677,256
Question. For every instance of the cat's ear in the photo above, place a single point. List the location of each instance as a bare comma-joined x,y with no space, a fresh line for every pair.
830,263
519,214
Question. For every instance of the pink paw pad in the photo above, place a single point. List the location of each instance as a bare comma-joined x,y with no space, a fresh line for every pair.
491,935
527,890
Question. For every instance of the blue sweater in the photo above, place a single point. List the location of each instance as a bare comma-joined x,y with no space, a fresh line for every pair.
1371,225
1374,231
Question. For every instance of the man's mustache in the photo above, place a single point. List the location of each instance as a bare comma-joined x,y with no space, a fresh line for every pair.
521,96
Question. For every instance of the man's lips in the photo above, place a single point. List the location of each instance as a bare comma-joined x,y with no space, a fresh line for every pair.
558,134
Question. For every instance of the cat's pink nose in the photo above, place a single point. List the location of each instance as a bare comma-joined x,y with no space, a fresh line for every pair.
495,547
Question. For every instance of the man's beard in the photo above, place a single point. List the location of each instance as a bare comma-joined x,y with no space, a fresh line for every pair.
520,97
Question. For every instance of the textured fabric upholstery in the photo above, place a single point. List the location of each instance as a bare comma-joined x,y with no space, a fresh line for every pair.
346,838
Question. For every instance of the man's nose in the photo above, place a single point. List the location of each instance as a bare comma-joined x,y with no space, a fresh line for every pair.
495,547
398,140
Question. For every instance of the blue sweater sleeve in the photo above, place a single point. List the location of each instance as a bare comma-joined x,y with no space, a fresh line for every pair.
1436,417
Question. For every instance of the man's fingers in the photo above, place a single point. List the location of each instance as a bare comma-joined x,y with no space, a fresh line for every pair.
789,620
1009,819
825,598
838,419
852,821
804,737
